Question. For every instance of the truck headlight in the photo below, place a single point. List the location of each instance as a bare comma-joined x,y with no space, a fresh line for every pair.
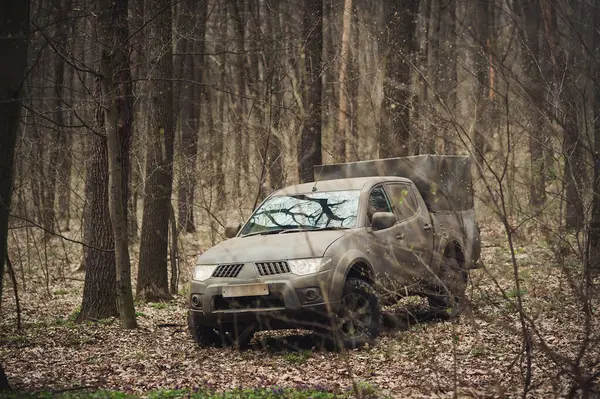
303,267
202,272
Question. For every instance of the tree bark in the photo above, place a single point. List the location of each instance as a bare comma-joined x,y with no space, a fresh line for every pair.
535,89
118,103
484,30
309,150
574,172
343,131
14,40
138,62
61,9
152,282
275,91
594,235
99,288
238,102
66,160
399,37
447,67
190,113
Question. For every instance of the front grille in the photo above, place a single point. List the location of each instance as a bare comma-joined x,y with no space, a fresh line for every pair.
228,270
249,302
270,268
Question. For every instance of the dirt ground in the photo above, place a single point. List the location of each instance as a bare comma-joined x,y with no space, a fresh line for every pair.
480,355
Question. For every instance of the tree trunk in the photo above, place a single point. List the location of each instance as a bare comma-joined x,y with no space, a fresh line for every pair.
484,30
152,282
309,150
353,148
594,235
400,23
238,103
574,172
190,115
275,93
532,29
118,100
14,39
61,7
66,162
343,133
422,130
99,288
140,115
448,74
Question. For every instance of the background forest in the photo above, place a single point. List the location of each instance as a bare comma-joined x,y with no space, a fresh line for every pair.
146,126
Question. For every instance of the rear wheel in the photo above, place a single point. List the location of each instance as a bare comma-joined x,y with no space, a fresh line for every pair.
358,317
448,298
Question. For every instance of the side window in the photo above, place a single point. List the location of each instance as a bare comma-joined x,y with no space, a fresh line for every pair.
403,201
378,202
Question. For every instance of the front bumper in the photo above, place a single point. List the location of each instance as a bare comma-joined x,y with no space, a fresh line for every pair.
293,301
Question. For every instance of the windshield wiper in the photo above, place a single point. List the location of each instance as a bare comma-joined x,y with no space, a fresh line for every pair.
330,228
274,231
295,230
312,229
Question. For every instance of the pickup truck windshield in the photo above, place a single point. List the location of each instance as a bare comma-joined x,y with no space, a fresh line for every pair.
313,211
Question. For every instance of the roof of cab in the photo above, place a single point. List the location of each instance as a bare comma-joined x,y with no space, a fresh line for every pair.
355,183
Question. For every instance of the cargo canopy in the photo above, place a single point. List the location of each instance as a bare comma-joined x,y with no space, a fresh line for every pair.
444,181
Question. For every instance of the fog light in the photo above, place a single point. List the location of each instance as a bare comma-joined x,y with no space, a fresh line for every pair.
197,301
309,295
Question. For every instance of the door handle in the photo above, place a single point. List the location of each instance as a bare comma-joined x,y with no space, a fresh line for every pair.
426,227
400,236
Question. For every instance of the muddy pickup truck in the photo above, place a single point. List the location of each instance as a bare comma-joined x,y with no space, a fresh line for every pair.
328,255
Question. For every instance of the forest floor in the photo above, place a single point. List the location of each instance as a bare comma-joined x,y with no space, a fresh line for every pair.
480,355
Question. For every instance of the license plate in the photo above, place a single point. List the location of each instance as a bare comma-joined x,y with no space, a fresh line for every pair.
232,291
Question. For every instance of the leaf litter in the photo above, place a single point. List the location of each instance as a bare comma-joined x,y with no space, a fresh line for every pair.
480,355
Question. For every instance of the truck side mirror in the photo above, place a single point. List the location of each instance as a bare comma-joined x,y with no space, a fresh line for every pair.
383,220
232,229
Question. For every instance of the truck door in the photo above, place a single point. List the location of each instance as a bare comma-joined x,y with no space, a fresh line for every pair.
413,244
379,242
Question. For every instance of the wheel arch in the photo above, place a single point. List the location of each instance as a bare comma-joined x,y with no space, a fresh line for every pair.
454,250
361,270
353,263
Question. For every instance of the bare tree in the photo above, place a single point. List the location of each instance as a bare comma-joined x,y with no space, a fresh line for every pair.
152,281
99,289
193,14
343,112
484,20
237,12
399,40
535,89
309,149
594,234
113,34
14,39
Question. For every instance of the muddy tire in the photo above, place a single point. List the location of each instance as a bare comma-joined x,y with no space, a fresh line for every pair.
206,337
358,320
236,338
448,299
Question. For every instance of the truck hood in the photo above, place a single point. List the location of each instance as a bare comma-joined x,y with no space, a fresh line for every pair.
269,247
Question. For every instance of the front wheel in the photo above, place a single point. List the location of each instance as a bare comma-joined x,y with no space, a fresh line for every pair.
358,318
236,336
204,336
